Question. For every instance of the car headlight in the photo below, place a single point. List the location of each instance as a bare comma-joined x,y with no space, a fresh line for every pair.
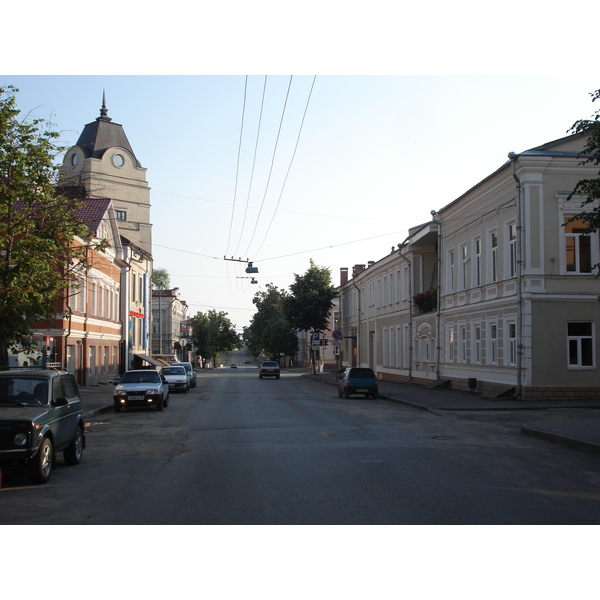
20,439
121,393
151,392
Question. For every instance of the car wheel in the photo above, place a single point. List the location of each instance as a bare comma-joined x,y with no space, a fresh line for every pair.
40,466
74,452
159,405
374,396
117,406
166,402
276,376
346,395
340,394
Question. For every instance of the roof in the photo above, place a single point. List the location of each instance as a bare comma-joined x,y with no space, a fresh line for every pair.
102,134
92,212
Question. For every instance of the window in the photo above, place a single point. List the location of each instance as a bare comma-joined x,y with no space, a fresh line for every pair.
512,343
493,257
450,345
580,340
450,278
92,360
405,283
492,357
512,249
578,247
106,358
121,215
477,263
476,350
93,298
391,298
464,263
463,344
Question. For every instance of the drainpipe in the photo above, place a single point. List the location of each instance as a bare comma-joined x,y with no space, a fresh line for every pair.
434,216
357,324
410,309
513,159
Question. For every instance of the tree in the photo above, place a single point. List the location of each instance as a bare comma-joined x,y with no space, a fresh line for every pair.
161,280
590,188
270,332
41,242
311,298
309,304
214,334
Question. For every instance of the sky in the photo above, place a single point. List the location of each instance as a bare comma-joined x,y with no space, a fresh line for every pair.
282,169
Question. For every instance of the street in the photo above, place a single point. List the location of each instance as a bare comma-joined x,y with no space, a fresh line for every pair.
239,450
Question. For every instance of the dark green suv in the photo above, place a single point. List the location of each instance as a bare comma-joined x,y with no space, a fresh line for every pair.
40,415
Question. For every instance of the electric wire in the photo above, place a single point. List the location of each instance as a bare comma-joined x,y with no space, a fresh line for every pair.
262,104
272,163
237,171
290,165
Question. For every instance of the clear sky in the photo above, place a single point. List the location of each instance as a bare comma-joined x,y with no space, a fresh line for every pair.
339,169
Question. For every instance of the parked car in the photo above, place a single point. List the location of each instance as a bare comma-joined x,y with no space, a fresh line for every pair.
141,387
269,368
357,380
233,365
40,415
191,372
177,378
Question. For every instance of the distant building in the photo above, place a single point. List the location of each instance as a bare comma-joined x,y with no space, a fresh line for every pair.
102,164
169,325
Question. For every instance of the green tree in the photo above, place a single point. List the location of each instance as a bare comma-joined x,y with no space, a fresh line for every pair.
270,332
161,280
214,333
310,300
590,188
38,246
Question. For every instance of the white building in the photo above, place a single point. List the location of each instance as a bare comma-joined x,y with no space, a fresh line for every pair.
518,306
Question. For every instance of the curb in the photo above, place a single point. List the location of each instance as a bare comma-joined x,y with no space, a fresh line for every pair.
563,440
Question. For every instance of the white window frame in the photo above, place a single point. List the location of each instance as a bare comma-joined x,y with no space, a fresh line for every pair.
477,262
464,266
476,344
492,344
578,340
450,272
493,275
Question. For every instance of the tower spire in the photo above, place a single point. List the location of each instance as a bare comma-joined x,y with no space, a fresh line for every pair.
104,111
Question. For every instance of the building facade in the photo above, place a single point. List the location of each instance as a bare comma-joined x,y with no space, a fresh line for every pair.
85,336
169,325
496,293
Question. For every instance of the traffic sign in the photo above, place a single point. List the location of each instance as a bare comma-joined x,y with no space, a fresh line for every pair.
337,335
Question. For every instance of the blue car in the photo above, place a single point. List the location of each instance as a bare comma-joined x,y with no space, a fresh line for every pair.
357,380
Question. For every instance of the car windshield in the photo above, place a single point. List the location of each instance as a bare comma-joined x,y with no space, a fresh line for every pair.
186,366
24,391
173,371
362,374
270,364
140,377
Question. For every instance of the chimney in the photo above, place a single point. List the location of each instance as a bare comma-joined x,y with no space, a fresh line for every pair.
343,275
356,269
371,263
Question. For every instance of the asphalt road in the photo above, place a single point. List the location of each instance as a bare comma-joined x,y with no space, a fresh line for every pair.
239,450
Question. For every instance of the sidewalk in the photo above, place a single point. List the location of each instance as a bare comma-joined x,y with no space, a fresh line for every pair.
580,433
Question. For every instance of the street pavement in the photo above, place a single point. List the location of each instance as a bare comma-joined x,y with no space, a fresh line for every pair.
582,432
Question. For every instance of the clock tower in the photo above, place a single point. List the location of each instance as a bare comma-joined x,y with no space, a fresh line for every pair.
102,164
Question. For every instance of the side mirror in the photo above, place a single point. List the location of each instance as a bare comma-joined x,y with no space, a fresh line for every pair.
61,401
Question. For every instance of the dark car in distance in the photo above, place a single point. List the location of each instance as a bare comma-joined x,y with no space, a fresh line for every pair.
40,415
269,368
357,380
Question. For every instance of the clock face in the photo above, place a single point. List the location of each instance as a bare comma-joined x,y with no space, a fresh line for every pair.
118,160
74,160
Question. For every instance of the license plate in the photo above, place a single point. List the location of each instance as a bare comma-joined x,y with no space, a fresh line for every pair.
136,397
